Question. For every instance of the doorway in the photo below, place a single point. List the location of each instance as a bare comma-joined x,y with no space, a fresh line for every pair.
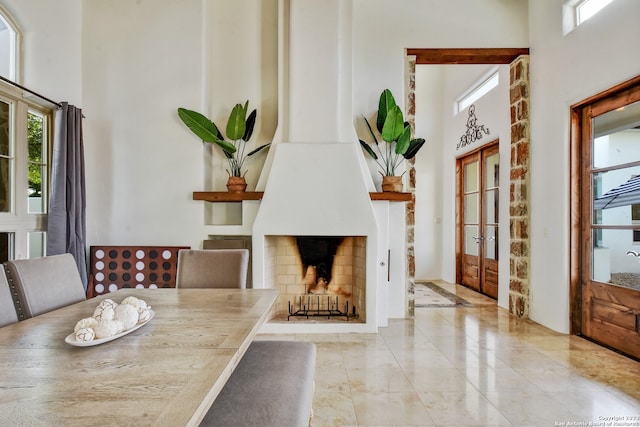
478,189
606,212
517,293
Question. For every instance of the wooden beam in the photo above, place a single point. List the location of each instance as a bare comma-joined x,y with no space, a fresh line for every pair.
467,56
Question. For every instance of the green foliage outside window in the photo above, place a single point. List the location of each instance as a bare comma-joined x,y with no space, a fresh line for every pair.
35,138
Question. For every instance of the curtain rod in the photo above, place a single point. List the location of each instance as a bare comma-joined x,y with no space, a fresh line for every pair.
31,92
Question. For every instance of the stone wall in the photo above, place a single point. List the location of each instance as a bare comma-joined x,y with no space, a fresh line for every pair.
519,189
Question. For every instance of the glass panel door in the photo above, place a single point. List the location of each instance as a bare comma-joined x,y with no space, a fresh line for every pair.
610,221
491,193
471,208
615,178
470,202
478,224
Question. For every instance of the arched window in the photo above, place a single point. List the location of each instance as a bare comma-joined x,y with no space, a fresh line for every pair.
9,47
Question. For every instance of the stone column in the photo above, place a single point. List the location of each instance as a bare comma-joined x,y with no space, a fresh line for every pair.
519,189
411,186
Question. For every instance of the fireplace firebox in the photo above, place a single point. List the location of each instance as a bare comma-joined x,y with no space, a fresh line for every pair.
320,278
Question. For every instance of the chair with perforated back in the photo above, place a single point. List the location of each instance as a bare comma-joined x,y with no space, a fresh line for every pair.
8,313
212,268
45,284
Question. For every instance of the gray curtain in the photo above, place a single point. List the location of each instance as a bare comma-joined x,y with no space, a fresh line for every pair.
66,231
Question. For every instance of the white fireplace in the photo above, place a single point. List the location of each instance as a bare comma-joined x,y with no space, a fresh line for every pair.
315,180
316,189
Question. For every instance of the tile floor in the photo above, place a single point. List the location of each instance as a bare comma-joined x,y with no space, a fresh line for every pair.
470,367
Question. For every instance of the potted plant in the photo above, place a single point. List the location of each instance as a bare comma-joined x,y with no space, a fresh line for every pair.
239,131
396,144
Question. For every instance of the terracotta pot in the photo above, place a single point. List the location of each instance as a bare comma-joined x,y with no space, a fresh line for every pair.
392,184
236,184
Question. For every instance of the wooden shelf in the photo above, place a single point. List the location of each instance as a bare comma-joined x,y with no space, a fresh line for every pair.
390,196
225,196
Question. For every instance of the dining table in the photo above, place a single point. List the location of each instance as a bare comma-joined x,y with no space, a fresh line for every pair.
165,373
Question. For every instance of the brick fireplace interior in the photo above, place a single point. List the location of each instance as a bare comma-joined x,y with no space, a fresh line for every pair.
312,271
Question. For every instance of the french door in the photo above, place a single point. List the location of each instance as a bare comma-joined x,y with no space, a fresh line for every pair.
477,218
609,257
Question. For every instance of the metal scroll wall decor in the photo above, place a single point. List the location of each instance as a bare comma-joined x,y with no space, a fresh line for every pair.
474,131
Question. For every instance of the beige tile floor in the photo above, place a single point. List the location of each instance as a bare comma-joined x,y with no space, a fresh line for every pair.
470,367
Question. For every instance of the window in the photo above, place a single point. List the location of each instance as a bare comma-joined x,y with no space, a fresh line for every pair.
597,192
9,47
587,8
635,220
576,12
37,161
477,91
25,139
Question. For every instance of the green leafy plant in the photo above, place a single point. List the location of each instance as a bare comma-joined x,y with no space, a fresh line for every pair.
239,130
396,143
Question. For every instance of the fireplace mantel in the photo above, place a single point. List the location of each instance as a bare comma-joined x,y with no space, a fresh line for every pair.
226,196
391,196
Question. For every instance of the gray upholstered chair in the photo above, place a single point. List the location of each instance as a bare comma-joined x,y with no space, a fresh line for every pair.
8,313
212,268
45,284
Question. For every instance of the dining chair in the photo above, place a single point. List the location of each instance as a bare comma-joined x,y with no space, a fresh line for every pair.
212,268
45,284
8,314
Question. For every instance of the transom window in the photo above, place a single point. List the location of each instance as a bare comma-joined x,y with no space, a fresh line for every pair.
477,90
587,8
576,12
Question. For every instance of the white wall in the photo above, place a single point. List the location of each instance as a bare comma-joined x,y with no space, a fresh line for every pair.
52,40
429,212
565,70
141,61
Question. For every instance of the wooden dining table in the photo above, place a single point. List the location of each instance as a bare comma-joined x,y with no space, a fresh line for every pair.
166,373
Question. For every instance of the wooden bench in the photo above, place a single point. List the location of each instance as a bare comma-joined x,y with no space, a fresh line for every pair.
272,386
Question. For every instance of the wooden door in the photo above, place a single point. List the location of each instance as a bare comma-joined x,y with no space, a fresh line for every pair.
478,190
610,221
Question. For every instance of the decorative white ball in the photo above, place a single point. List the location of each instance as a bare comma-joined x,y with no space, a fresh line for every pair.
130,300
138,303
88,322
85,334
104,312
107,328
127,314
144,315
108,303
